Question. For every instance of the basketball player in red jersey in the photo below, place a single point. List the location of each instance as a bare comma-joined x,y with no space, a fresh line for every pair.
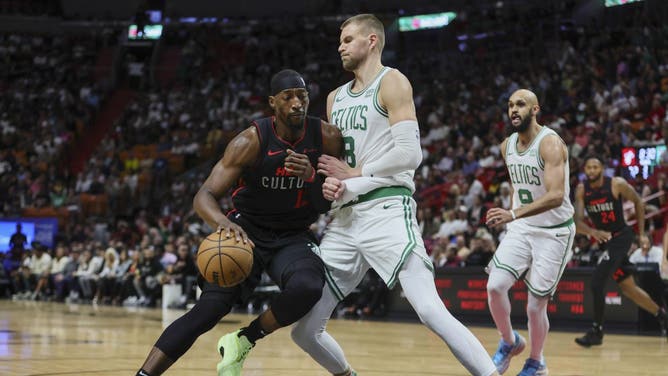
280,197
601,197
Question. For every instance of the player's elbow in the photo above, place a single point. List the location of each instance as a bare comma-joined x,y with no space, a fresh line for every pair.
555,199
199,201
412,159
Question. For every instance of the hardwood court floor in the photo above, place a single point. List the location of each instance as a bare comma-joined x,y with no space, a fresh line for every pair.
59,339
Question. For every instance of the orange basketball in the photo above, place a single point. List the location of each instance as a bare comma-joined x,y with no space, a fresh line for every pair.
224,261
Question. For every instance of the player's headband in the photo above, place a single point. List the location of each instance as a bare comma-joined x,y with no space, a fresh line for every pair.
286,79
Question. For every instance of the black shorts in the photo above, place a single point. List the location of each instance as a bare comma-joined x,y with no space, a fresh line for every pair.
276,252
615,258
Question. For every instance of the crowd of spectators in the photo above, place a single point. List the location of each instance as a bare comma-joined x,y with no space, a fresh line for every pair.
601,88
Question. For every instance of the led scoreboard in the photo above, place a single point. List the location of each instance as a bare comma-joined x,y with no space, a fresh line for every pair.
464,292
641,160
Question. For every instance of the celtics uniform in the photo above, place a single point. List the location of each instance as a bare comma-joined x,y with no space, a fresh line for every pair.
379,228
539,245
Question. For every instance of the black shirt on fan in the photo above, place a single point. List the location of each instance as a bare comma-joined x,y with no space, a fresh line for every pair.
271,198
603,208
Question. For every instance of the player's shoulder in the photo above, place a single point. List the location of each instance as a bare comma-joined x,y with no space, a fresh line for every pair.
618,181
395,76
247,137
338,88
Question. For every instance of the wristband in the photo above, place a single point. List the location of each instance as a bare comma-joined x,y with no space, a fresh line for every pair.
512,213
312,177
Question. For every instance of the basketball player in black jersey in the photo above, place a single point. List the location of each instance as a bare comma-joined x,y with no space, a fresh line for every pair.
601,197
278,199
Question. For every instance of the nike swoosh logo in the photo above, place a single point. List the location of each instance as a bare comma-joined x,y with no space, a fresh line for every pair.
338,99
310,150
386,206
271,153
561,235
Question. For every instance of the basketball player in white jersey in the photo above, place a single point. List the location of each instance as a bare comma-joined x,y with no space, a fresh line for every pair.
540,231
375,227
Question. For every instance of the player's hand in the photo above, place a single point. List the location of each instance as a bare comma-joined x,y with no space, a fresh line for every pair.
497,217
333,188
601,236
230,229
298,165
336,168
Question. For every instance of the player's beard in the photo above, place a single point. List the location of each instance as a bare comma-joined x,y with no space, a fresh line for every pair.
296,122
595,178
524,124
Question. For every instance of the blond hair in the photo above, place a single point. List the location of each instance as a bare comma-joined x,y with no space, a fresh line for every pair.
371,25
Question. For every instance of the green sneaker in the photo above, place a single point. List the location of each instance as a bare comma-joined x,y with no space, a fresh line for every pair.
234,350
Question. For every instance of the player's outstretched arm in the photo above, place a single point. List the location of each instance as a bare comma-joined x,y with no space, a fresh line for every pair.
240,153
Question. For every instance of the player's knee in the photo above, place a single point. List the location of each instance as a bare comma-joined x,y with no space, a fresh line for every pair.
307,282
429,311
537,306
495,291
305,297
303,337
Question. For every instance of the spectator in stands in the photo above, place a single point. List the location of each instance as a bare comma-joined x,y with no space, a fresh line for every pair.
58,264
428,223
183,271
65,281
38,270
17,243
476,212
482,248
128,293
147,279
18,240
89,276
107,277
647,252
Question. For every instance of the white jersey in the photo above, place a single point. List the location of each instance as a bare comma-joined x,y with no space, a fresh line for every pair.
526,170
365,127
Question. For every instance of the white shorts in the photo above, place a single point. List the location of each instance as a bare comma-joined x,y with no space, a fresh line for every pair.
379,233
539,251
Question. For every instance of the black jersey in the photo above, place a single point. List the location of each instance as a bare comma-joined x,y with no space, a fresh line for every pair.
268,196
604,210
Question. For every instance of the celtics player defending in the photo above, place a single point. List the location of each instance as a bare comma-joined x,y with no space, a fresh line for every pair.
374,225
539,234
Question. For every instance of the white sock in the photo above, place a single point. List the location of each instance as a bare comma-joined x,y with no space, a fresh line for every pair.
418,284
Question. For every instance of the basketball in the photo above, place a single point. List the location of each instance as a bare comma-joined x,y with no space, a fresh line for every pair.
224,261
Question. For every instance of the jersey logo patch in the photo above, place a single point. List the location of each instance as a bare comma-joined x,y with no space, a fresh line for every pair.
338,99
369,93
271,153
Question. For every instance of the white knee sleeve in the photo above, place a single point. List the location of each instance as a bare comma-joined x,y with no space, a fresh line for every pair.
309,334
419,287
